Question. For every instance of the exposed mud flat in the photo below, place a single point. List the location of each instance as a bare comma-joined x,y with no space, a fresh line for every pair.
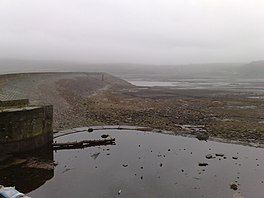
229,110
154,165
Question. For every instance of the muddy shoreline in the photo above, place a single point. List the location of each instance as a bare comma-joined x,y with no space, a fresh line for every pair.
85,99
252,143
219,114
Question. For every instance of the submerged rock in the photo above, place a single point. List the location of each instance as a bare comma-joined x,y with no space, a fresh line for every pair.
90,130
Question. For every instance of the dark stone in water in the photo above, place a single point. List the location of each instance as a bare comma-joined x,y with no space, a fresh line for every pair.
203,164
233,186
125,165
219,154
104,136
235,158
209,156
90,130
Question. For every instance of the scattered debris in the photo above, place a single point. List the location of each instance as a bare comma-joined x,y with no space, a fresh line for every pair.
82,144
233,186
11,192
66,170
90,130
94,156
104,136
209,156
203,164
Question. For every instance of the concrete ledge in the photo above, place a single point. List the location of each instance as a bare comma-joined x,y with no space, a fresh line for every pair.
26,128
29,144
14,103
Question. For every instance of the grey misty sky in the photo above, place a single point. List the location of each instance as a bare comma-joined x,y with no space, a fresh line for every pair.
133,31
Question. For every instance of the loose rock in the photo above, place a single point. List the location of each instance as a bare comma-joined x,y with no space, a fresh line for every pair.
233,186
104,136
203,164
90,130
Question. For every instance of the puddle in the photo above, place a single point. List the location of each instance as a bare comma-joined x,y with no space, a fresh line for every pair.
145,164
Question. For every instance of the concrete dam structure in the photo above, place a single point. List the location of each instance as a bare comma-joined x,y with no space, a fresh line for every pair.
24,127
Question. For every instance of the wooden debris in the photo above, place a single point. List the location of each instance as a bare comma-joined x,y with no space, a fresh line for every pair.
82,144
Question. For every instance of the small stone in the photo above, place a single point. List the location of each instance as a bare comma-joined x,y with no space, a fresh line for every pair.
203,164
104,136
125,165
234,157
160,164
203,137
209,156
90,130
219,154
233,186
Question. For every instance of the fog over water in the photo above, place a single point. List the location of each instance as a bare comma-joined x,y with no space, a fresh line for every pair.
132,31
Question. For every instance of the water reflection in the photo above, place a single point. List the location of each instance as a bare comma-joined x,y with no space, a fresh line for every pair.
28,171
143,164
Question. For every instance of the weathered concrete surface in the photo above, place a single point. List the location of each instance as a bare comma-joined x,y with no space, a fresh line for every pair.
24,129
14,103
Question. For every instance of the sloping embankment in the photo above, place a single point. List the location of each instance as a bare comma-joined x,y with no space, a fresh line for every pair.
65,91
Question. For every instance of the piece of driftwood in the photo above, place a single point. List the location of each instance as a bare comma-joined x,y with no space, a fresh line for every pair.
82,144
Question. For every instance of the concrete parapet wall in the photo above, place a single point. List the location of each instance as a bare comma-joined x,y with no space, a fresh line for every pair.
23,129
14,103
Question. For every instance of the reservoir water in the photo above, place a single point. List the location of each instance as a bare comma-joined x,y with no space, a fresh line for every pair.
146,164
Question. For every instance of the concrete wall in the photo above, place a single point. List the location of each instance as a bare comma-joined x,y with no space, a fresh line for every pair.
14,103
23,129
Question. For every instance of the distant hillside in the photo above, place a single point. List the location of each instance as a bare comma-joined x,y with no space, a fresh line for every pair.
126,70
252,70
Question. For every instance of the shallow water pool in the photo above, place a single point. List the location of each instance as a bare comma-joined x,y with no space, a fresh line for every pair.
145,164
